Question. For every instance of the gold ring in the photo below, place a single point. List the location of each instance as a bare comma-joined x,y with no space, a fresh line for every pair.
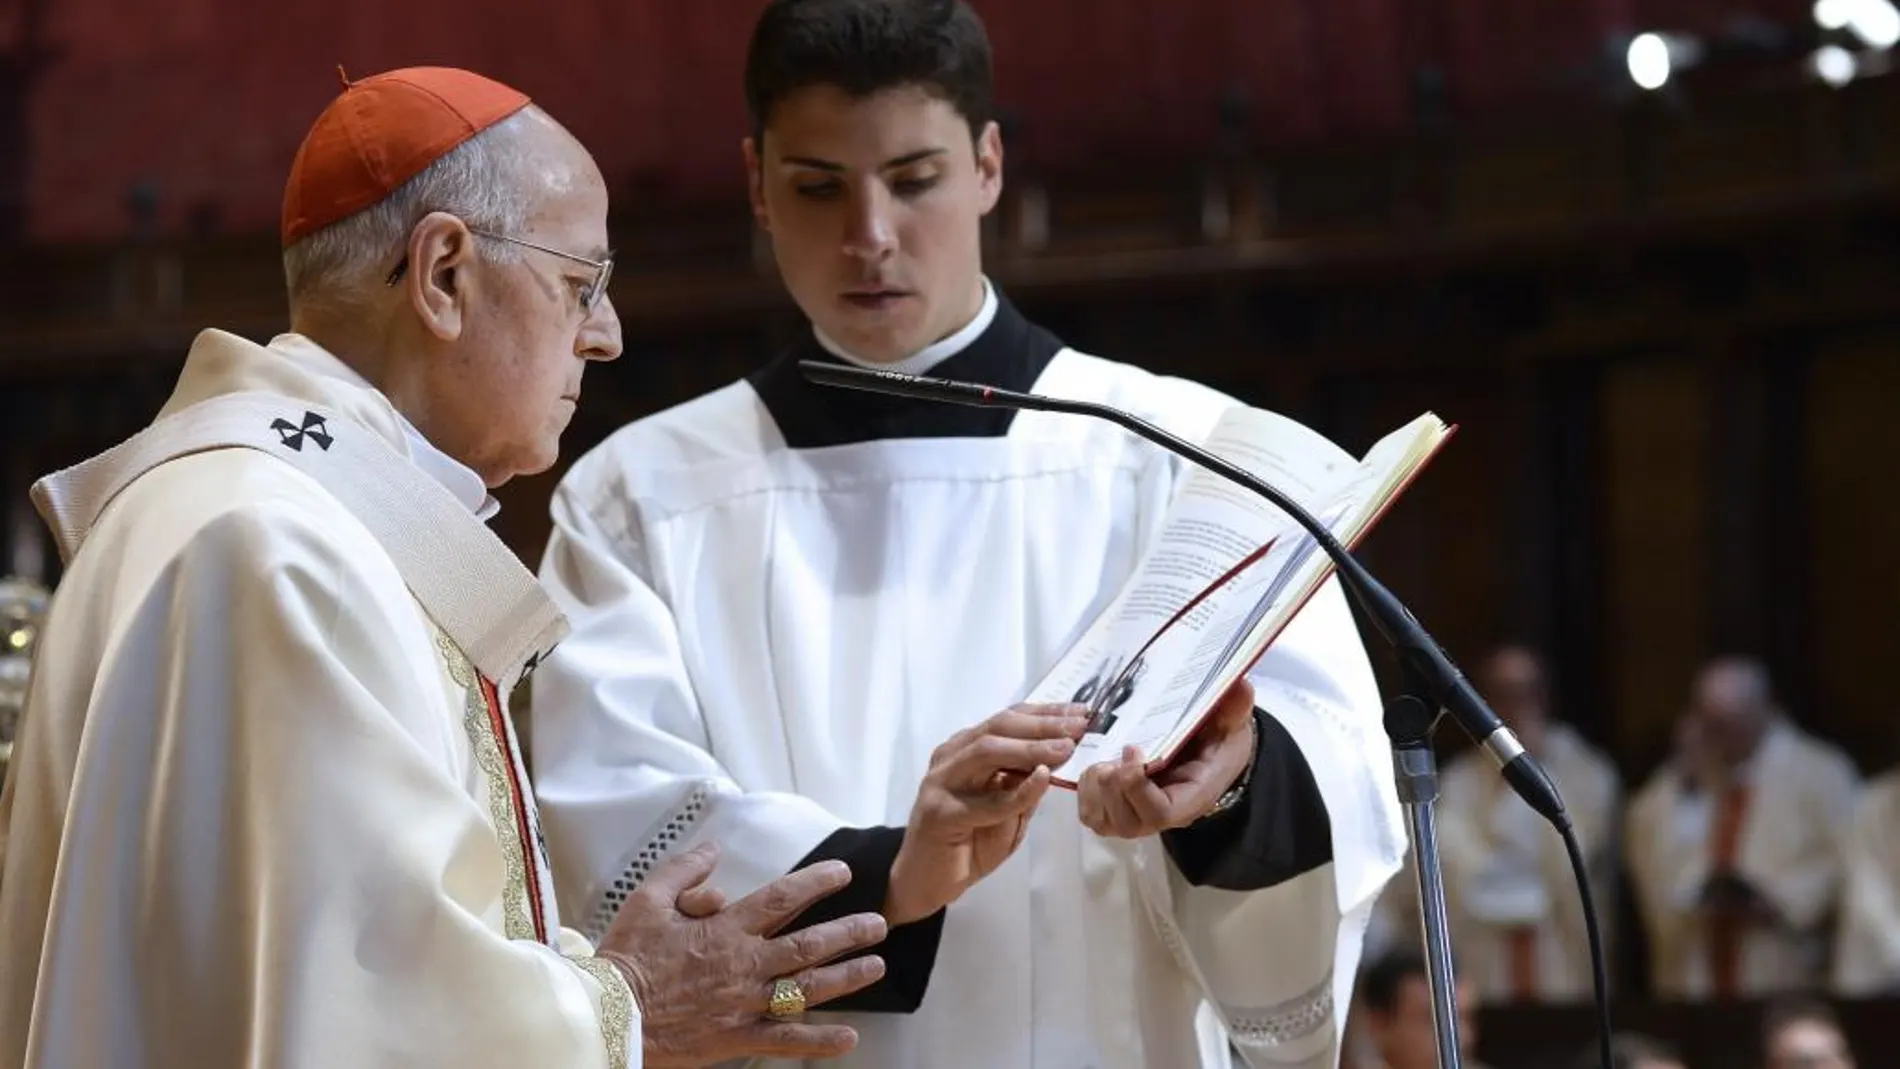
788,1000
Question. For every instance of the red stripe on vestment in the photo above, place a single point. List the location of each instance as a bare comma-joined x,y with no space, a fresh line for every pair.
530,849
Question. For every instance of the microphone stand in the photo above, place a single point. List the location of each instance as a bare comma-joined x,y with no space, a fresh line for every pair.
1408,723
1433,686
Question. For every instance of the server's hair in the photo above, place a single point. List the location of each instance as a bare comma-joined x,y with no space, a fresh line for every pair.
862,47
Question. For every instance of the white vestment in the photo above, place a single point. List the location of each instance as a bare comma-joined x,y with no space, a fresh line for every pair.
1867,942
774,629
1800,794
1517,921
266,808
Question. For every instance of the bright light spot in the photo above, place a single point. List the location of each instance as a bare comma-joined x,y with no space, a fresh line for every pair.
1876,22
1649,61
1833,14
1833,65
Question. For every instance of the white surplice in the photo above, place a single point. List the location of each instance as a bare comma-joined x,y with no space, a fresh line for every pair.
1867,941
1512,896
1801,797
770,641
267,808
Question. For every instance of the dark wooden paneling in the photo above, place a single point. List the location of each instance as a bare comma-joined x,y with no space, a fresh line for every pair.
1764,144
1655,540
1738,499
1758,548
1788,549
1563,531
1854,409
1714,1035
1539,175
1454,548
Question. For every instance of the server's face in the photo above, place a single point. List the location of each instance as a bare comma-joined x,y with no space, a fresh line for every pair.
874,209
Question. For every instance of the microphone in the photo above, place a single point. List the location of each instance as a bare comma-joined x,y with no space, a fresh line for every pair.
1429,673
1422,659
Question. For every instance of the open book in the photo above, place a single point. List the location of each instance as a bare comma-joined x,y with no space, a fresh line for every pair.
1226,573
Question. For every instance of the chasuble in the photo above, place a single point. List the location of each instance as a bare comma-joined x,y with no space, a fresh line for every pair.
267,808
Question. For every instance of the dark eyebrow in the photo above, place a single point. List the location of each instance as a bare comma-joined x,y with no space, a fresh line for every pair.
905,160
909,158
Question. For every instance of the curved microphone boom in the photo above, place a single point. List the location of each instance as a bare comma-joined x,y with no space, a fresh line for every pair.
1408,719
1418,653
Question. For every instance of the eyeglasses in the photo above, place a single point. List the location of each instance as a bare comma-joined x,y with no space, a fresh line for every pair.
590,295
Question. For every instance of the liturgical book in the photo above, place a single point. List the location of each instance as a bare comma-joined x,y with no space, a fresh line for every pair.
1226,573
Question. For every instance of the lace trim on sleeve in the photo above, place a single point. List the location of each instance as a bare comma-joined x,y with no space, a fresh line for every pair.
664,840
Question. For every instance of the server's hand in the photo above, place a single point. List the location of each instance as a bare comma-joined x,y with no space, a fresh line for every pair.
1121,800
975,803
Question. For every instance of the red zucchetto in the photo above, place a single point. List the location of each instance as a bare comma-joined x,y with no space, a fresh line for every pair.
380,133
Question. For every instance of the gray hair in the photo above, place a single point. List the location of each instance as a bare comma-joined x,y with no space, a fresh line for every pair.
484,182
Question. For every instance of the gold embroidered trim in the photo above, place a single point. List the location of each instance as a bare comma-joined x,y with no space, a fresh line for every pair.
517,922
616,1007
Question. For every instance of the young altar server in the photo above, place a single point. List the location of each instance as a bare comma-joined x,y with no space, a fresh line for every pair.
794,607
266,806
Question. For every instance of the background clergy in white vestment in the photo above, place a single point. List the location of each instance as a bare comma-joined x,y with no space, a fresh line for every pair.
1735,848
1662,818
1514,909
794,607
266,808
1867,939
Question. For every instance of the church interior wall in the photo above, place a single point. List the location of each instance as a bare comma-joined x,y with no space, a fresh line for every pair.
1665,325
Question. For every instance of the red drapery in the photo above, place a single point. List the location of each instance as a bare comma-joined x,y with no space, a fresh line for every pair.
206,99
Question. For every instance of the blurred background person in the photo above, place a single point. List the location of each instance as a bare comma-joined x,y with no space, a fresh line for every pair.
22,608
1801,1033
1633,1050
1664,821
1517,918
1736,848
1867,938
1395,1004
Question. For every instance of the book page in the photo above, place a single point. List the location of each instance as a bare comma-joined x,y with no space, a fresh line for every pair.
1226,573
1139,663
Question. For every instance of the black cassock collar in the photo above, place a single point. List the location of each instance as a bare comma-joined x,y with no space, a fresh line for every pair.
1011,355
